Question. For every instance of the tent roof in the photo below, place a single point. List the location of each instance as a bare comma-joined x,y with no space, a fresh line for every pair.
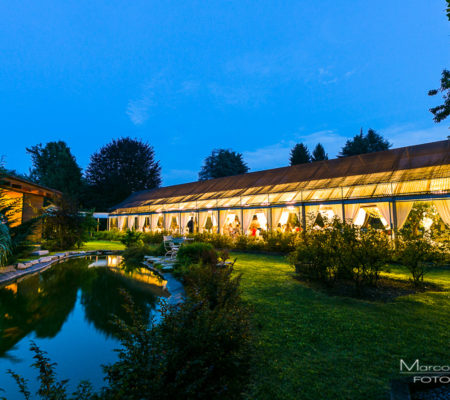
425,161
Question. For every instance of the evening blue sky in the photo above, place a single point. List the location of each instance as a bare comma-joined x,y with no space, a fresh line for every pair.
190,76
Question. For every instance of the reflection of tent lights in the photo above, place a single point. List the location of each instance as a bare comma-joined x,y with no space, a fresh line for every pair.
290,207
112,261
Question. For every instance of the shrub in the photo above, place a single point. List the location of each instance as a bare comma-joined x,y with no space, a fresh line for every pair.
108,235
64,227
368,255
199,350
132,238
342,251
418,255
196,253
316,257
152,237
5,243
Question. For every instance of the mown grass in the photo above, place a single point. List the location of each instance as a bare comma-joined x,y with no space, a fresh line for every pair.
102,245
313,346
88,246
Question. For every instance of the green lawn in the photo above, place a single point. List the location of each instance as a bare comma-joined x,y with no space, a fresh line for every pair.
103,245
313,346
88,246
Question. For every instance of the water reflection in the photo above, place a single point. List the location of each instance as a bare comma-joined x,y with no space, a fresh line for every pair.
41,303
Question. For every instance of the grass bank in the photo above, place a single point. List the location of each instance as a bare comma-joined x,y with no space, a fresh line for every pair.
313,346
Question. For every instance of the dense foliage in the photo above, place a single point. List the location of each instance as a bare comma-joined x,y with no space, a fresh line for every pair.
222,163
5,242
196,253
131,238
442,111
342,251
120,168
54,166
277,242
199,349
64,227
361,144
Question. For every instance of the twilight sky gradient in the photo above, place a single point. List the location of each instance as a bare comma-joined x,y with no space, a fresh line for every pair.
190,76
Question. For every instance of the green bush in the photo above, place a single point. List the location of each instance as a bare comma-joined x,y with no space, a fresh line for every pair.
64,227
418,254
200,349
316,256
132,238
342,251
196,253
152,237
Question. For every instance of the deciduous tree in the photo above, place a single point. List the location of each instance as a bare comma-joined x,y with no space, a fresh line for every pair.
54,166
120,168
442,111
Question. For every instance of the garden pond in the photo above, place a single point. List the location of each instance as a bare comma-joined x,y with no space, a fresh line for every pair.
67,311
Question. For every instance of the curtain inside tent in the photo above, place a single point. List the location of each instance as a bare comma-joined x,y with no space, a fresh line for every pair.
443,208
337,210
248,215
131,220
403,209
384,209
223,220
141,222
351,212
154,222
276,216
120,222
183,221
167,221
202,221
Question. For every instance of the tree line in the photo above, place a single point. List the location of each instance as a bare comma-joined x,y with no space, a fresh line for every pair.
128,165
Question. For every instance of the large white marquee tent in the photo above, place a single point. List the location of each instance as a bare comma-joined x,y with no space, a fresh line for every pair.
384,183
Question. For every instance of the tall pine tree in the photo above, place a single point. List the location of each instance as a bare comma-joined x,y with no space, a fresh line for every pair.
319,154
299,154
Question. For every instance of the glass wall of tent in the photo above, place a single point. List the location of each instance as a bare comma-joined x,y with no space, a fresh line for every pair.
255,222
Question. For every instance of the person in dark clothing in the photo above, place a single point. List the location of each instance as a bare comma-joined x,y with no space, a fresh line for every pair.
190,225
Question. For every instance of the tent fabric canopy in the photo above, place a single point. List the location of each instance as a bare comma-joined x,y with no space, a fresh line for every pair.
414,169
443,208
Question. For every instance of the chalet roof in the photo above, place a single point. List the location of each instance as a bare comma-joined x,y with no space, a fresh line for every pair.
14,183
